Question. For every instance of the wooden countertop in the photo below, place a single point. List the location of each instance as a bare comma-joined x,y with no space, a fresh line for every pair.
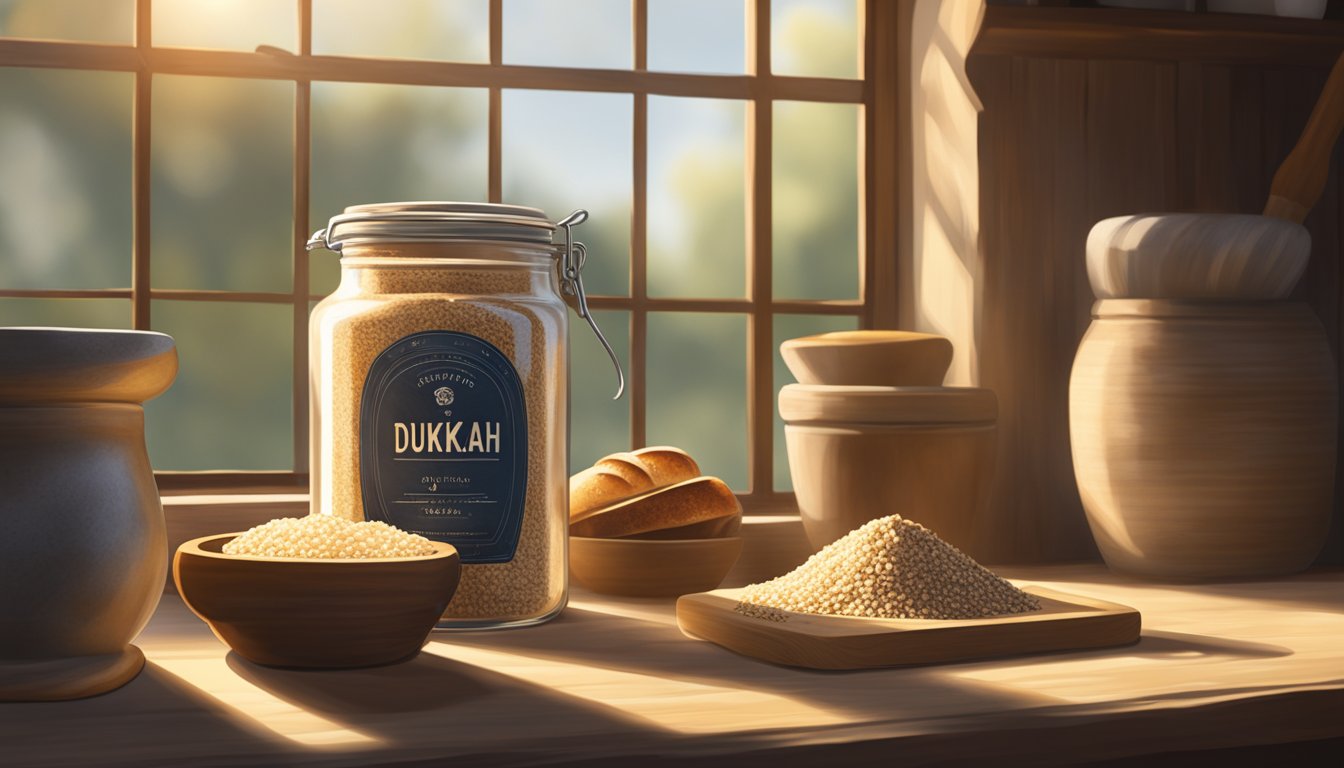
614,681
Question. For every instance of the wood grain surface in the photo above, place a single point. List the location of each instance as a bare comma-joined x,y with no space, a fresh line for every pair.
1064,622
613,681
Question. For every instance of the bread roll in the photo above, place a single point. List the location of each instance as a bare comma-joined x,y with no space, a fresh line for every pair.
687,503
667,465
618,476
624,475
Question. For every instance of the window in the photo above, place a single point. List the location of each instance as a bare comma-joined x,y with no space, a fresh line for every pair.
166,160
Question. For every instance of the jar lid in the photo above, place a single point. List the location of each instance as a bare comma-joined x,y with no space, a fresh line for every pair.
435,222
472,222
828,403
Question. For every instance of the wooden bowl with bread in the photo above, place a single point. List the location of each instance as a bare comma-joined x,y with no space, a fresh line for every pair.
648,524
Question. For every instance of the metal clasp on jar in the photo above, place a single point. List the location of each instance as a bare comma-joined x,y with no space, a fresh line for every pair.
571,263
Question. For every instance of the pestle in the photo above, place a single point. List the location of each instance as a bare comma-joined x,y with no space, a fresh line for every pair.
1298,182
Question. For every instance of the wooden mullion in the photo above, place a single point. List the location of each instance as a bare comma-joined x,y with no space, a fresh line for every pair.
273,65
738,306
302,180
639,239
885,149
495,118
142,115
760,355
55,54
494,162
191,294
801,307
215,480
65,293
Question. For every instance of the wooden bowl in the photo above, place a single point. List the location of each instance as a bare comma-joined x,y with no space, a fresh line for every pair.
298,612
877,358
1230,256
652,568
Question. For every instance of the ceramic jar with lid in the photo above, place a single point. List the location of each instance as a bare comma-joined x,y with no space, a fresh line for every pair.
888,441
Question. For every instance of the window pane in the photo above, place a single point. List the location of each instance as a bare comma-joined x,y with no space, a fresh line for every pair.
816,201
65,179
449,30
573,33
564,150
697,36
92,21
228,24
66,313
697,390
223,154
598,424
696,197
230,407
814,38
379,143
791,327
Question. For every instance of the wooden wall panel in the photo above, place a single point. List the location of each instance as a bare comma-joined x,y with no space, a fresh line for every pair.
1065,142
1042,159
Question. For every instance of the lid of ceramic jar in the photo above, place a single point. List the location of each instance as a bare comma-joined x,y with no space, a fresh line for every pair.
816,403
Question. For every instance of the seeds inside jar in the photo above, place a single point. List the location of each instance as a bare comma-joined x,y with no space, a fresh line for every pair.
400,301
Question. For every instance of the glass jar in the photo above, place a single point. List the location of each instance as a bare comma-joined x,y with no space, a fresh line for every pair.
438,377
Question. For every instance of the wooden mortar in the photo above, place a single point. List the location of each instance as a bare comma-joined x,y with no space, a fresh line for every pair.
1203,407
83,554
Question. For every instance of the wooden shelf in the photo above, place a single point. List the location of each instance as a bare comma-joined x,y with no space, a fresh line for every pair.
1246,666
1113,33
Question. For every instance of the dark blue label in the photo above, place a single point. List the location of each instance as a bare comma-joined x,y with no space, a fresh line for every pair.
443,443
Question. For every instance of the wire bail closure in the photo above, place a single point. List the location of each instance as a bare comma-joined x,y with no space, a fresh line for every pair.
320,240
572,259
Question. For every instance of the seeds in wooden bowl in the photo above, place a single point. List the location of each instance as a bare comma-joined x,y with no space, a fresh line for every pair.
889,568
327,538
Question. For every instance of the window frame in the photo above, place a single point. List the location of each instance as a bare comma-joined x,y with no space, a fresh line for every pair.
878,93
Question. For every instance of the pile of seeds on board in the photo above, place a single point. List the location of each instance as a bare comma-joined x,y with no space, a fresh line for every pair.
889,568
485,303
328,538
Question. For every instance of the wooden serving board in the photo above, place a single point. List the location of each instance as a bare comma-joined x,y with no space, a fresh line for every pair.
1065,622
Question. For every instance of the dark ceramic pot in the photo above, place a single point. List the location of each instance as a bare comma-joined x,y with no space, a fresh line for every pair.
83,553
